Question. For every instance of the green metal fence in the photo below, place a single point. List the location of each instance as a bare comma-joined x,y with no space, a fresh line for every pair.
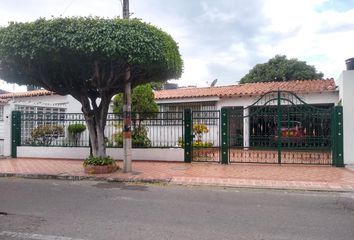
281,128
278,128
206,136
150,130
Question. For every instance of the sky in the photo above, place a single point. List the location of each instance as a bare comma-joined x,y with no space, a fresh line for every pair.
223,39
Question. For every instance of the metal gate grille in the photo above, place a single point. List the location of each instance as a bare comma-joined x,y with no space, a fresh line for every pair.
206,136
281,128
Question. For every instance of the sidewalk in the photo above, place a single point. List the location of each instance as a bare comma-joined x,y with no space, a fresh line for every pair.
301,177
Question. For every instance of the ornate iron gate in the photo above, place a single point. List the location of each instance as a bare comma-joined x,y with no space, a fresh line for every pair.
281,128
202,136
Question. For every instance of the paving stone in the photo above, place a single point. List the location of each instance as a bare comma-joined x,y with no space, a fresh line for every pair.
235,175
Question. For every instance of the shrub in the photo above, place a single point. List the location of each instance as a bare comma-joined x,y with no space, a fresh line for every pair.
196,144
99,161
75,131
139,138
44,134
76,128
200,144
180,142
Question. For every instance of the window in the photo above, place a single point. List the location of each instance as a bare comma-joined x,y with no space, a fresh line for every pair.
34,116
195,106
203,112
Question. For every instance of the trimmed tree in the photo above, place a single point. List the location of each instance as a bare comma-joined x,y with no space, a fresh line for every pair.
279,69
88,58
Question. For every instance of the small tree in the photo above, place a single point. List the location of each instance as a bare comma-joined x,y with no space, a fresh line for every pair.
143,103
279,69
88,58
75,131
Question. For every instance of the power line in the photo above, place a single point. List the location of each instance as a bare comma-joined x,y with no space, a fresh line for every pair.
67,7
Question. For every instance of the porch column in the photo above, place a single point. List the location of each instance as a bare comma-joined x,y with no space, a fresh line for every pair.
246,127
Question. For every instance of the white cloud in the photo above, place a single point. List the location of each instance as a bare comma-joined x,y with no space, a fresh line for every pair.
317,37
223,39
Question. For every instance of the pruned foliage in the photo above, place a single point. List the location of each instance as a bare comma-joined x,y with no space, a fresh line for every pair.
70,54
45,134
89,58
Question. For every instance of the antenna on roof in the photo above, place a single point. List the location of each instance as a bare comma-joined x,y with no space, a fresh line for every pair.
214,82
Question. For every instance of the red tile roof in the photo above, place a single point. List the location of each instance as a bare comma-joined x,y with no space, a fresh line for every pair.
297,86
33,93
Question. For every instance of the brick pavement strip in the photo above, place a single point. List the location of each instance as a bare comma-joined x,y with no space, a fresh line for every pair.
325,178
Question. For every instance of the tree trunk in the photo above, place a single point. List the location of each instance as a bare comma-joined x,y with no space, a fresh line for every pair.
96,122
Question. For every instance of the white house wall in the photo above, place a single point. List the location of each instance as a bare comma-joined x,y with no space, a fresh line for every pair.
346,86
313,98
155,154
6,129
68,102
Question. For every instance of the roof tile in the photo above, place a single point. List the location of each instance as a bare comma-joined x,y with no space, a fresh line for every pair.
297,86
33,93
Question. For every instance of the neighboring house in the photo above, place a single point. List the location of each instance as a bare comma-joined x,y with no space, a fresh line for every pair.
243,95
36,101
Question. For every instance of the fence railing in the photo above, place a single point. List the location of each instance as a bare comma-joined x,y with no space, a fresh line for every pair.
153,130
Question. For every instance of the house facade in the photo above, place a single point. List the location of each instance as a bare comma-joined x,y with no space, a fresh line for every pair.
36,101
209,101
315,93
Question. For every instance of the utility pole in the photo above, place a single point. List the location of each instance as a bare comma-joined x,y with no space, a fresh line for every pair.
127,131
126,9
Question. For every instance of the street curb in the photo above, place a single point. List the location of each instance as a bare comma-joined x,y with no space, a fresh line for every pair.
81,178
266,187
161,181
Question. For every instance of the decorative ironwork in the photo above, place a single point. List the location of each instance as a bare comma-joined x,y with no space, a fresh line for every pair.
206,136
282,129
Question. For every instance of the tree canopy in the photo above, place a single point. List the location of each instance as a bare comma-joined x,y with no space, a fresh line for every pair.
88,58
280,68
67,54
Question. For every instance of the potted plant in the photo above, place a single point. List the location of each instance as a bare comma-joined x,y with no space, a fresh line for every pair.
75,131
201,150
100,165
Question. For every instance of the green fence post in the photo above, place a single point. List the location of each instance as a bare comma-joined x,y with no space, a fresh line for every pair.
224,136
15,132
338,137
333,136
187,135
279,145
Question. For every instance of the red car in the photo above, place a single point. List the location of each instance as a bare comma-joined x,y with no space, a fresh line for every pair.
291,131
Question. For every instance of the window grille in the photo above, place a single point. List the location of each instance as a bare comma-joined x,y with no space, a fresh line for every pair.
34,116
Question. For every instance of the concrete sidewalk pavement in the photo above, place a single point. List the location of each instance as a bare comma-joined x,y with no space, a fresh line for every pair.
301,177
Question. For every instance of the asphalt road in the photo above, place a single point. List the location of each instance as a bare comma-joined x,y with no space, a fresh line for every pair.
64,210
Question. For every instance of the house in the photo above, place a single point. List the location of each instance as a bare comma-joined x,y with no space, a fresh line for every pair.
323,93
243,95
258,129
36,101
